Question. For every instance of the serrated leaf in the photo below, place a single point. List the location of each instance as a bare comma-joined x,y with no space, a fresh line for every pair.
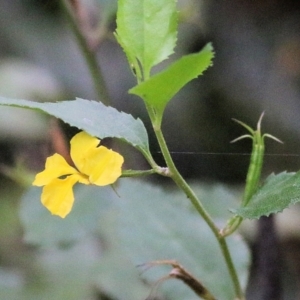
93,117
278,192
147,30
155,225
159,89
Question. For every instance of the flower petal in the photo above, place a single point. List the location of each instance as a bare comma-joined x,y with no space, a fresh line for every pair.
104,166
81,144
58,196
56,166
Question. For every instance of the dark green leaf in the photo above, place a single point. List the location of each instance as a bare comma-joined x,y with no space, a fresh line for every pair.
93,117
274,196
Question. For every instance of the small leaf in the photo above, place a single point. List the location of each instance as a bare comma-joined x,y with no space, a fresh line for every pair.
159,89
274,196
93,117
147,30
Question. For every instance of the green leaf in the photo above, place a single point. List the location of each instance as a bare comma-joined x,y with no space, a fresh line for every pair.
274,196
93,220
155,225
147,31
93,117
45,230
159,89
116,274
66,273
147,222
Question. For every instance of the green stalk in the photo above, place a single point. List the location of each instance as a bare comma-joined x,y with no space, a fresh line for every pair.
89,55
137,173
182,184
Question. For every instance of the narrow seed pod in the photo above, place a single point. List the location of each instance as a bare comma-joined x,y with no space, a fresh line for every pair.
254,170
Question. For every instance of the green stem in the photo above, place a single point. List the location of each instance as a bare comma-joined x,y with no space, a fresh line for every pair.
231,268
136,173
182,184
89,55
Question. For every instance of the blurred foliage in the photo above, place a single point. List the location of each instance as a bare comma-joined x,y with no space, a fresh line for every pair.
256,68
106,236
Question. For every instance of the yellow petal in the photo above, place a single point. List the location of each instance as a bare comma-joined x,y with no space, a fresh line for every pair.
83,179
103,166
81,144
58,196
56,166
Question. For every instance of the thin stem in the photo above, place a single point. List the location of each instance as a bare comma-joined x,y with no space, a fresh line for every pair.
231,268
182,184
89,55
137,173
180,273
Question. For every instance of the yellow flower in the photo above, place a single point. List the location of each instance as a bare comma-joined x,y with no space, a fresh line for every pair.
94,165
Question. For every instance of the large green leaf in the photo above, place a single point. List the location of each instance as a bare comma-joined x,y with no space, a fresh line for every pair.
147,30
43,229
151,224
159,89
155,225
116,274
76,248
93,117
274,196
